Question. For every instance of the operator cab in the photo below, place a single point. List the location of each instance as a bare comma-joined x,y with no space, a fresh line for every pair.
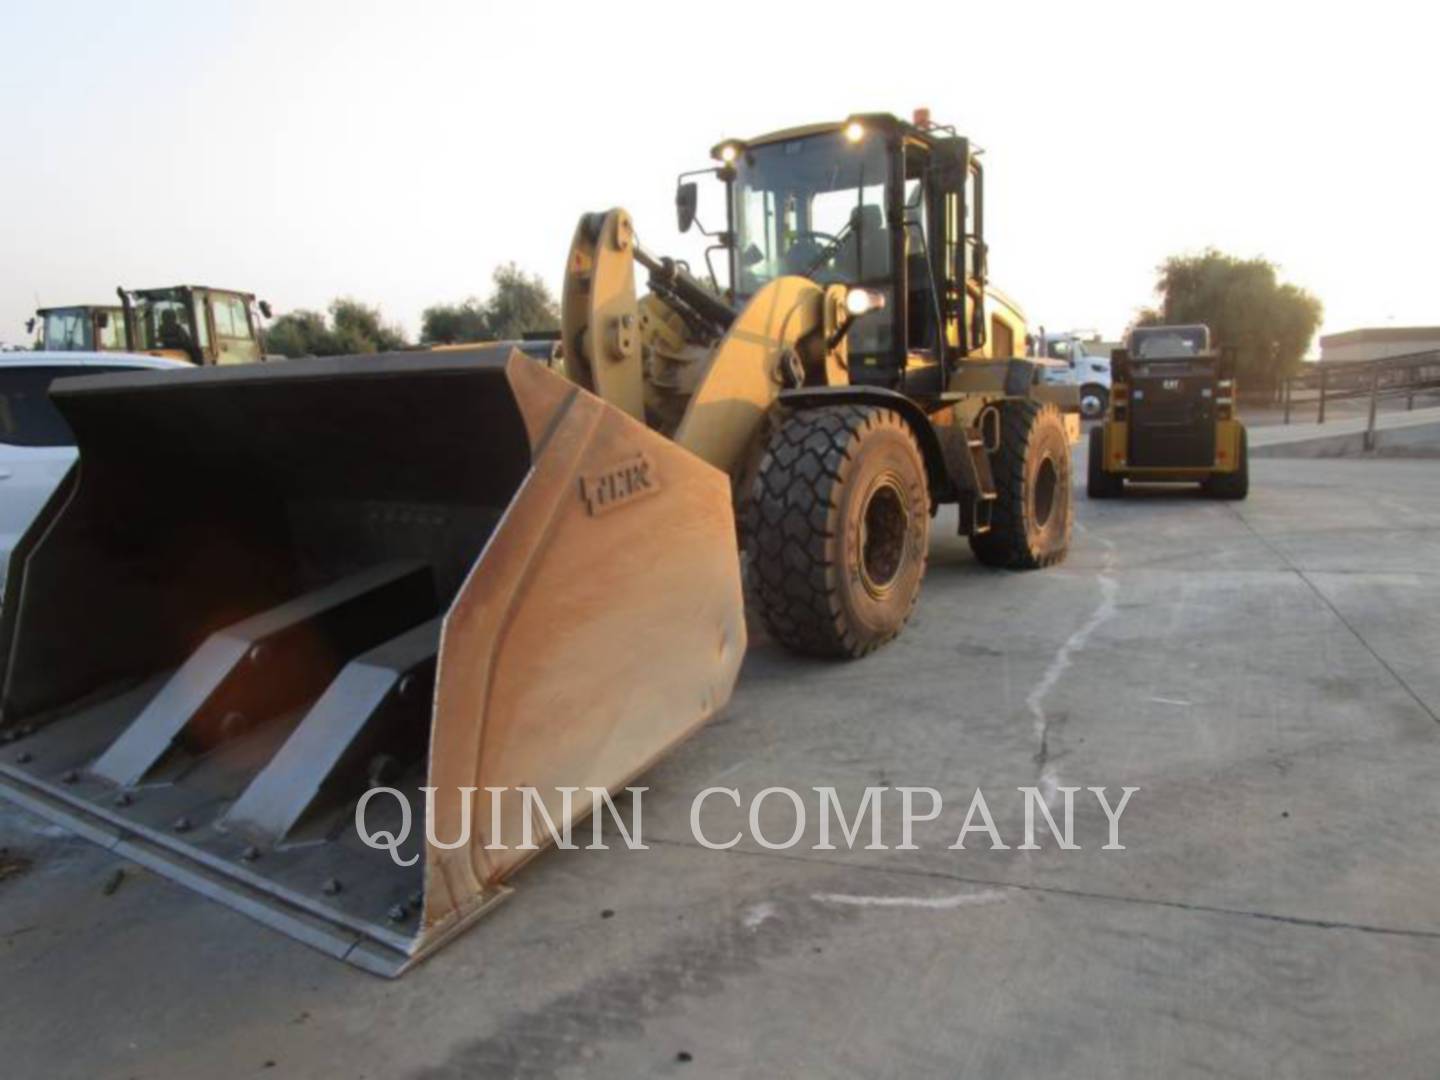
80,328
1169,342
880,205
195,323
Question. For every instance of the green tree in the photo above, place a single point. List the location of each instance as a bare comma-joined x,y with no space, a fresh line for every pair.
300,333
352,328
1246,306
518,304
359,329
450,324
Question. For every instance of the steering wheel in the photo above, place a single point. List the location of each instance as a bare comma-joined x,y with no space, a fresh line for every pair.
808,249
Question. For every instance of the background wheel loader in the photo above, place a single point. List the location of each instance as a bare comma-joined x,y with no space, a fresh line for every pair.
79,328
1171,417
195,323
268,589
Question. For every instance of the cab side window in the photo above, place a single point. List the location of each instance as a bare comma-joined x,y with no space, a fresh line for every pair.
112,334
231,319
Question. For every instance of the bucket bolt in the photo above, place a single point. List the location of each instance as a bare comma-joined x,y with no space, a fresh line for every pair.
233,723
250,854
70,776
382,769
123,798
399,913
183,824
332,887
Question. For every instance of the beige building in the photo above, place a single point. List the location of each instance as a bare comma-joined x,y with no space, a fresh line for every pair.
1378,342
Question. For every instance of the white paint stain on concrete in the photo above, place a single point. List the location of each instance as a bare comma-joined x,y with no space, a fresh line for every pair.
757,915
930,903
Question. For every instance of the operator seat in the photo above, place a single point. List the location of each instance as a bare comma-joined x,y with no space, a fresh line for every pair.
866,251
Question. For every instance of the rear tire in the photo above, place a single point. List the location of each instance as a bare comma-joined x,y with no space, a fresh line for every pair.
1100,484
1030,520
1232,485
837,530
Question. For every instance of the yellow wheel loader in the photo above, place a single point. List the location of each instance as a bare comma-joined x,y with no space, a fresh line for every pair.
79,328
342,642
195,323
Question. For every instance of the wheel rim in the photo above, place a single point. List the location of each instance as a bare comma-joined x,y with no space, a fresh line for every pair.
884,527
1090,405
1047,483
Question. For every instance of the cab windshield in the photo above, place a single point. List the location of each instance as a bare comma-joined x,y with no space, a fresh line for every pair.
1168,342
68,331
162,319
814,206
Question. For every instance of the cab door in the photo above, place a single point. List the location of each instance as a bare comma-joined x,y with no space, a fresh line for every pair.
235,338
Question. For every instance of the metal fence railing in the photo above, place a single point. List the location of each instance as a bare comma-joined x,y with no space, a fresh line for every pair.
1388,377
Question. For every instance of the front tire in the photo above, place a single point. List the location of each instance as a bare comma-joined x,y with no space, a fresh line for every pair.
837,530
1031,520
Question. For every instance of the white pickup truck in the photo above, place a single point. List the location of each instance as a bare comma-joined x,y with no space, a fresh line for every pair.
36,447
1084,366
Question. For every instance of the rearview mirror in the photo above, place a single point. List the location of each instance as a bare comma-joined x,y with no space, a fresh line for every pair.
686,198
265,308
29,326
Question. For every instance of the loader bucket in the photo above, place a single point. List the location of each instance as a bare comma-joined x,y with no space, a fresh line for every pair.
265,590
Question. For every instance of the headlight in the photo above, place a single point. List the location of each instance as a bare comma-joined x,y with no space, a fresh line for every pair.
728,153
860,301
854,131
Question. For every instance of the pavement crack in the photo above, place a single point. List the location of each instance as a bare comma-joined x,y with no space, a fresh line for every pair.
1049,780
1320,595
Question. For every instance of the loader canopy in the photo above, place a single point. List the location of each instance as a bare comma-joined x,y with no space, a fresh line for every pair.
265,590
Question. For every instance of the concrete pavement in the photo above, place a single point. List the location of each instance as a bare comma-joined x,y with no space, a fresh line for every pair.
1264,672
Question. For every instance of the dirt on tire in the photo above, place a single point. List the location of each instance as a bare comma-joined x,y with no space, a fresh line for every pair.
1031,519
836,529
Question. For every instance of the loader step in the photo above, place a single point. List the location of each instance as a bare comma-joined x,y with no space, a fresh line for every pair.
975,512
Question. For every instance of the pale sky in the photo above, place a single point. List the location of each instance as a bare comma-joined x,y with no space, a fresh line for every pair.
398,152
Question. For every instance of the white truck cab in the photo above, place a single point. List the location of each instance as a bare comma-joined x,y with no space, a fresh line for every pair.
36,447
1077,360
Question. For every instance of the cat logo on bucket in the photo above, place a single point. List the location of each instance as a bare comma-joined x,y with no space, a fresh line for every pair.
629,479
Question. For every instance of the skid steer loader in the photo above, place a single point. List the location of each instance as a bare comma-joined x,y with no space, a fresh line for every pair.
269,591
1172,418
